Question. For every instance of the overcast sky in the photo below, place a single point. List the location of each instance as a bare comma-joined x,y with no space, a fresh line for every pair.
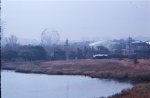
76,20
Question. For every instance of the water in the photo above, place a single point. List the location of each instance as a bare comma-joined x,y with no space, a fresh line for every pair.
20,85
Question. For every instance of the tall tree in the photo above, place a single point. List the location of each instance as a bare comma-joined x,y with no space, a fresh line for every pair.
12,42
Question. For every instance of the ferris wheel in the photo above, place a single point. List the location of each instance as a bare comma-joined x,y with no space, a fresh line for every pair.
50,37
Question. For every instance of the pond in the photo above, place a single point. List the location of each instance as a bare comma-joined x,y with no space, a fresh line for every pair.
20,85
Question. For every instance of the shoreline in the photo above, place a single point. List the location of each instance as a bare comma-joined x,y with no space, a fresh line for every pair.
119,70
123,81
126,81
108,70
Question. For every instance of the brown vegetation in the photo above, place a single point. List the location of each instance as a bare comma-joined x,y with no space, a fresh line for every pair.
138,91
100,68
124,70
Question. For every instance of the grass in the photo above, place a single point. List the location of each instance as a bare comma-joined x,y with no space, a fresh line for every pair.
102,68
122,70
138,91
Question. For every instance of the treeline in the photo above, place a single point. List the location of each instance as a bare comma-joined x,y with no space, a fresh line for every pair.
26,53
12,51
39,52
31,53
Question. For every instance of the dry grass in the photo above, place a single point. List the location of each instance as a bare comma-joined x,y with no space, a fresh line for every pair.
101,68
138,91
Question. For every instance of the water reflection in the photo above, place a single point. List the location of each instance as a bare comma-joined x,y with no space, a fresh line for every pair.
20,85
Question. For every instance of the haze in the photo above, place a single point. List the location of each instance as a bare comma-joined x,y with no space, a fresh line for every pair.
76,20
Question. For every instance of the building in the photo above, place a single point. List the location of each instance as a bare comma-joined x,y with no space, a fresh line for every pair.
126,48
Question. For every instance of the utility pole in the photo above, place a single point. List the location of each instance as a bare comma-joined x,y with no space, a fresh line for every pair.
67,49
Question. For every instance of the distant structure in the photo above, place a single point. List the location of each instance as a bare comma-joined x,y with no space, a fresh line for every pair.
50,38
67,49
127,48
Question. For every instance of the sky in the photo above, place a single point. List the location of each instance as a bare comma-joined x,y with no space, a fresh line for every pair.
76,19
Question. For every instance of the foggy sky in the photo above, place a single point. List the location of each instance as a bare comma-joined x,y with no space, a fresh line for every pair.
76,20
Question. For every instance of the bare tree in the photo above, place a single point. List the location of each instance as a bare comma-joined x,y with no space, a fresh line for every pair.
12,42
